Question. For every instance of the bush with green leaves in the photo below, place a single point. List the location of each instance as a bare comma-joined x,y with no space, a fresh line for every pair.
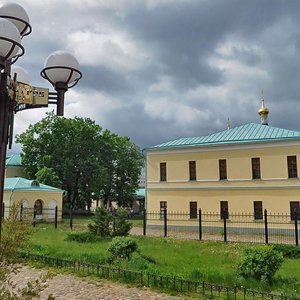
107,225
261,263
122,248
15,234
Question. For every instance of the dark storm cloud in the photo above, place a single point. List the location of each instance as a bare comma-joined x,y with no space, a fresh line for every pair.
246,56
202,62
183,36
106,80
145,131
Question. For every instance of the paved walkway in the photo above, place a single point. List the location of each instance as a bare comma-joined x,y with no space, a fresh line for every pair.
69,287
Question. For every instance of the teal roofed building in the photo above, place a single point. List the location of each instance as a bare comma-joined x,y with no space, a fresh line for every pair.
30,193
14,160
247,133
245,169
14,167
18,183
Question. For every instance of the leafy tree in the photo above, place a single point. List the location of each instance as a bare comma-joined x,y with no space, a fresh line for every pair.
48,176
121,168
77,156
63,150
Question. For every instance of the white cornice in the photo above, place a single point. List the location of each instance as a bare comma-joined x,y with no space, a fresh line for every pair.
271,187
218,180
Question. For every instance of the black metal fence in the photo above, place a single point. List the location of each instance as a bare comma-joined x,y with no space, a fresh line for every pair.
170,283
230,227
234,227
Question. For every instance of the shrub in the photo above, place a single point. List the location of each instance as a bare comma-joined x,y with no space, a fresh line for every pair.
121,224
288,251
106,225
15,235
260,263
83,237
122,248
102,222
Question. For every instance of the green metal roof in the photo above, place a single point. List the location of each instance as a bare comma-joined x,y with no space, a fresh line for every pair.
140,192
19,183
248,133
14,160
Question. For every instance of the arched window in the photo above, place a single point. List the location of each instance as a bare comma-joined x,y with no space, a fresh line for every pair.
35,183
51,209
24,210
25,203
38,207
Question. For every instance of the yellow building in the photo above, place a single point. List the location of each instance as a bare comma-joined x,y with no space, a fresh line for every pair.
245,169
14,167
30,193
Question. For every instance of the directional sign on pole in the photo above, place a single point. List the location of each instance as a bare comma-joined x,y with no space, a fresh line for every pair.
27,94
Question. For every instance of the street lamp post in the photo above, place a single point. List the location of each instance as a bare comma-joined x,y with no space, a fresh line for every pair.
61,70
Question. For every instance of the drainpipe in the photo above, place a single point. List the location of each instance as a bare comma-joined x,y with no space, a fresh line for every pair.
10,198
144,151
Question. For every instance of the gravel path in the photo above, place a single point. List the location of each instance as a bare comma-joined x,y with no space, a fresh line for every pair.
69,287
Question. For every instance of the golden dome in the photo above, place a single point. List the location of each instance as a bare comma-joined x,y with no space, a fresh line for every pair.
263,113
263,110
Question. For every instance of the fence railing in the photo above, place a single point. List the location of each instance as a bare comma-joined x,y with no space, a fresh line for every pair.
245,227
171,283
230,227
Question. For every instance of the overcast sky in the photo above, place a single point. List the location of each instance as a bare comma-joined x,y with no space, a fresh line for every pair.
157,70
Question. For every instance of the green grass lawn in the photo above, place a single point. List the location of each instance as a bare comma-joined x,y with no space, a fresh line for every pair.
210,261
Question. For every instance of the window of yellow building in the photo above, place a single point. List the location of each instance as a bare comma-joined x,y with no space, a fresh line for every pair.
224,210
163,171
193,210
295,207
222,169
255,167
258,210
192,167
292,166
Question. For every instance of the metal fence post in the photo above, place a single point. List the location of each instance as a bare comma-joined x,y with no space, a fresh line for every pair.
296,228
200,224
165,222
55,217
225,225
71,219
34,216
21,212
266,227
144,221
